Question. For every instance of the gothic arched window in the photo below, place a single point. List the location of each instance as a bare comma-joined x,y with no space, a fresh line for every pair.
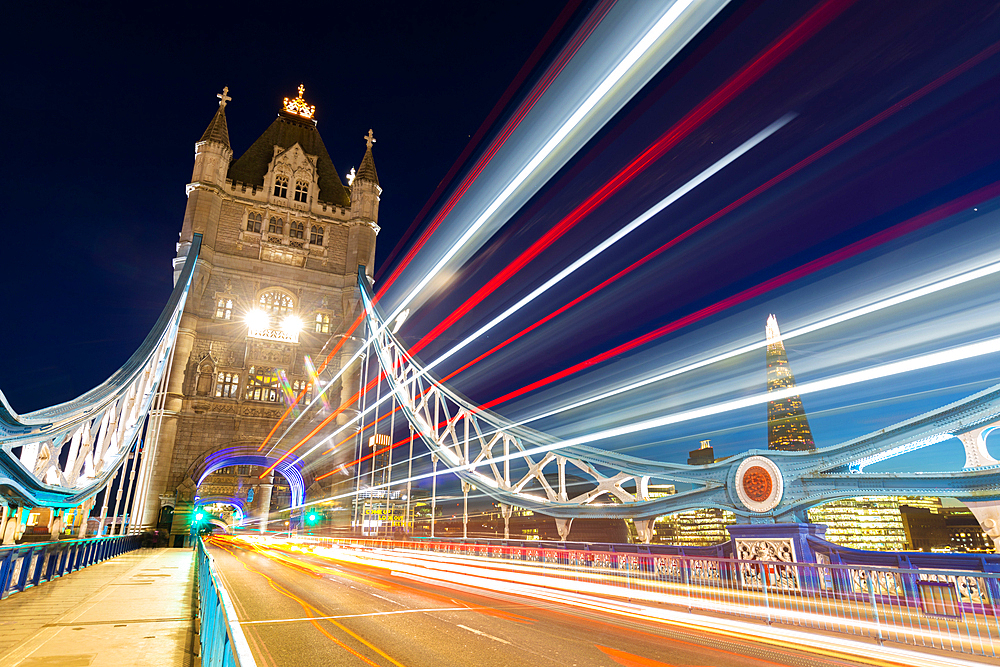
316,235
281,186
276,303
227,385
263,384
224,309
276,226
297,230
322,323
254,221
301,191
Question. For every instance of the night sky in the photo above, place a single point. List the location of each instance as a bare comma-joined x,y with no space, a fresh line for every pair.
895,120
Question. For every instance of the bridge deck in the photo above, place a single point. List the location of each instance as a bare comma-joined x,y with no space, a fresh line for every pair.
135,609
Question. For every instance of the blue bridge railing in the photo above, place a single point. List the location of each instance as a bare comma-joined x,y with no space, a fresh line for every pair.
223,643
26,565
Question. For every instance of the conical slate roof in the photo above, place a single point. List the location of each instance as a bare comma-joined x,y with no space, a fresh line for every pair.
218,129
366,171
286,131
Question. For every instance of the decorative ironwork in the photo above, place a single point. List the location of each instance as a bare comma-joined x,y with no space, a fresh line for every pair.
62,455
519,466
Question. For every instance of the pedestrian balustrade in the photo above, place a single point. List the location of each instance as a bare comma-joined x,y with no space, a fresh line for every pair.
222,642
27,565
949,609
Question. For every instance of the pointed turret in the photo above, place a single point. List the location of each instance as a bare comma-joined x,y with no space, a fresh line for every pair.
366,172
365,190
787,425
218,129
365,193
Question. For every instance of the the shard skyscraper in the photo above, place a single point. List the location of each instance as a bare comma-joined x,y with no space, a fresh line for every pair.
787,426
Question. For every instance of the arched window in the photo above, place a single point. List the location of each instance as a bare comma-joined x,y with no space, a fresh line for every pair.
316,235
322,323
301,191
224,309
276,303
276,226
227,385
297,230
281,186
263,385
254,221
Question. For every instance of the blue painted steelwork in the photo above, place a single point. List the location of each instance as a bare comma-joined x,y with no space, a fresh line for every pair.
27,565
480,447
62,455
223,643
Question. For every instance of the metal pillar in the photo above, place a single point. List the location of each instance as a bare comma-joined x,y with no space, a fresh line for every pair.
409,485
118,498
361,440
104,508
505,512
130,495
434,488
465,511
264,498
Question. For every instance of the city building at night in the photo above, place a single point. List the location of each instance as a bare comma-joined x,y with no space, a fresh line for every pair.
787,425
276,280
873,523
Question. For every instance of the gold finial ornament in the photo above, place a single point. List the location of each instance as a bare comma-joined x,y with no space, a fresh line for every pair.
298,105
370,138
224,97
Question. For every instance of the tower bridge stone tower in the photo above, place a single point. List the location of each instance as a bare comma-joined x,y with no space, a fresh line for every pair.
275,283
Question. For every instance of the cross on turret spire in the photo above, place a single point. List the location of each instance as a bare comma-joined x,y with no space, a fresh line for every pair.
370,138
224,97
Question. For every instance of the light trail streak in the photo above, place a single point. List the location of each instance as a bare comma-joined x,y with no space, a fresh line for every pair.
649,214
902,298
898,106
629,596
526,105
605,87
851,250
619,72
747,75
858,247
902,104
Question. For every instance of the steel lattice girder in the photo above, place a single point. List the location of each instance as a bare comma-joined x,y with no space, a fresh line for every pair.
466,438
68,452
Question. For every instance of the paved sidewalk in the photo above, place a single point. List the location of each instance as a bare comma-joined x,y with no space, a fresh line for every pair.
133,610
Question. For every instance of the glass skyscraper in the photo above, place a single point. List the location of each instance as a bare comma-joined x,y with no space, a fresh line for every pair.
787,426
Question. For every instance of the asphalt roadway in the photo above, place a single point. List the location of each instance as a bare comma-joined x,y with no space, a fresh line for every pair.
301,610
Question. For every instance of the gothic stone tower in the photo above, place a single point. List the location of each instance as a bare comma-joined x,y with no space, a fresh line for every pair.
276,281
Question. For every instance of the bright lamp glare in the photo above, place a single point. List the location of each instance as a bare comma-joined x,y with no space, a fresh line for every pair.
257,319
291,325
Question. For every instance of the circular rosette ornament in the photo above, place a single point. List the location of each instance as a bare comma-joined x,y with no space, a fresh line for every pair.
759,484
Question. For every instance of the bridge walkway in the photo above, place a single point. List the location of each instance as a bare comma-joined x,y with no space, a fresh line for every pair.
136,609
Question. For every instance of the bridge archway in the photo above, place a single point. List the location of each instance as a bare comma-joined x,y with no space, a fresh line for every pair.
243,453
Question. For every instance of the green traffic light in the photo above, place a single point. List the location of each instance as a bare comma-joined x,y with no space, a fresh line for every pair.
199,516
312,518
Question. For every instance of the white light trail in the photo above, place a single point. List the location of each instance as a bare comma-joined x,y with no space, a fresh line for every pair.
875,307
623,67
662,25
645,217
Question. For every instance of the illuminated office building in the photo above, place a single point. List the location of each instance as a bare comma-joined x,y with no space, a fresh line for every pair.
872,523
787,426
